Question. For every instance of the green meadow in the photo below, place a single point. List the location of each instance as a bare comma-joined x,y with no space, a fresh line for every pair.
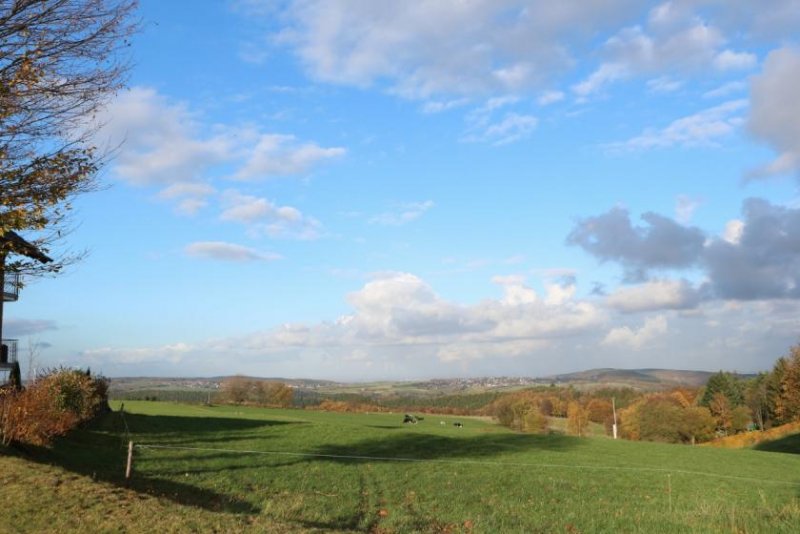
227,468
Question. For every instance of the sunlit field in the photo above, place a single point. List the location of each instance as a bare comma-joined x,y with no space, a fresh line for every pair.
244,468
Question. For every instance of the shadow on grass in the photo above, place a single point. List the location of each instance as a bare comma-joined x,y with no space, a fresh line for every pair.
100,451
396,448
790,444
437,447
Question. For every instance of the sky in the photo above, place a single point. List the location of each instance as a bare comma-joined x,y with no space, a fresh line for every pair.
359,190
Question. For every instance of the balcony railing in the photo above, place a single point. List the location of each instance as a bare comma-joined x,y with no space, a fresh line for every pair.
11,283
8,352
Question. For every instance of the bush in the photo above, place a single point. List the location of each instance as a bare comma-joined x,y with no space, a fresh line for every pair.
53,405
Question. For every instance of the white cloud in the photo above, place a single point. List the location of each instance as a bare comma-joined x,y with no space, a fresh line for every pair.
624,336
190,196
476,47
775,113
400,310
439,106
674,39
283,155
550,97
263,217
219,250
654,295
730,60
664,84
484,126
510,128
160,142
164,143
733,231
704,128
604,75
405,213
726,89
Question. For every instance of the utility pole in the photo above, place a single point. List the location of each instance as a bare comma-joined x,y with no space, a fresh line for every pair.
614,409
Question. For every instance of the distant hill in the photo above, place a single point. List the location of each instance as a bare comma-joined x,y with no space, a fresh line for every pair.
635,378
640,379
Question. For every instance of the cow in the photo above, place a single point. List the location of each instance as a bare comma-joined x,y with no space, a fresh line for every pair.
409,419
458,425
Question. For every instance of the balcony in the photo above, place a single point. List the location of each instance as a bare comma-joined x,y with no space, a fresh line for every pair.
8,354
11,283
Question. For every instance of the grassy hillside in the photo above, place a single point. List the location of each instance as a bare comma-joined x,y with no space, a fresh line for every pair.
315,471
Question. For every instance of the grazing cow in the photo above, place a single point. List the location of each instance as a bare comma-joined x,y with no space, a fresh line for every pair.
458,425
409,419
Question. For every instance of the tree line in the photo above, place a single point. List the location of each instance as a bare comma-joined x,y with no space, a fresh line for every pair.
728,404
242,390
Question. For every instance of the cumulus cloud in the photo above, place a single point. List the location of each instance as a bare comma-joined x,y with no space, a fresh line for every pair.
627,337
673,38
159,142
405,213
730,60
655,295
757,257
774,112
472,48
703,128
401,310
263,217
763,261
283,155
189,196
518,46
164,143
660,244
220,250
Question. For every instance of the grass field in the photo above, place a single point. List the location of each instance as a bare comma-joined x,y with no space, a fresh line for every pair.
238,469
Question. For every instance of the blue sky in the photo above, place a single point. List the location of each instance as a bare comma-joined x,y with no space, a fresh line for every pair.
358,190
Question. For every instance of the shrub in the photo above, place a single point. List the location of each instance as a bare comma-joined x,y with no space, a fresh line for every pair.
54,404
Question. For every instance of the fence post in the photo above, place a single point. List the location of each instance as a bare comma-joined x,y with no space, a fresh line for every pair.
129,465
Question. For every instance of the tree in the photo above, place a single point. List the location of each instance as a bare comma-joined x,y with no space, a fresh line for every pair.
722,411
697,424
60,62
577,419
787,405
234,389
756,397
725,383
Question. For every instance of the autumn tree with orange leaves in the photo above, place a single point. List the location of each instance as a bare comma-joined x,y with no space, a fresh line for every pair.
60,62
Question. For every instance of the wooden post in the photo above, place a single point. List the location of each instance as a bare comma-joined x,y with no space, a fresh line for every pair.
129,466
